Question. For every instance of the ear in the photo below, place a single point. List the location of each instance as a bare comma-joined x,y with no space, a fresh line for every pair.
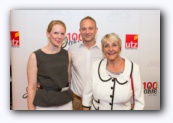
48,34
96,29
79,29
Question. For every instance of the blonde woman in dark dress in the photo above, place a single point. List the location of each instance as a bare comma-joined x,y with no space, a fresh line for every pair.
49,67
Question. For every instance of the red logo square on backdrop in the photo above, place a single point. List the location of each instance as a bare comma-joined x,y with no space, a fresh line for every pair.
15,38
131,41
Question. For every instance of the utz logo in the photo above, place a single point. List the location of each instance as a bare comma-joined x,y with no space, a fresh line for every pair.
15,38
71,39
150,88
131,41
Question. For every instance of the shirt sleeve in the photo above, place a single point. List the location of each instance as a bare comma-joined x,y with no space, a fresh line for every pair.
88,93
138,89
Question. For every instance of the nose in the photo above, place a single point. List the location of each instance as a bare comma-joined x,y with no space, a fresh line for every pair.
59,36
87,30
110,48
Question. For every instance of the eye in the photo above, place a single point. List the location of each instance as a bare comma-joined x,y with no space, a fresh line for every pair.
56,32
106,46
62,33
90,28
83,29
114,44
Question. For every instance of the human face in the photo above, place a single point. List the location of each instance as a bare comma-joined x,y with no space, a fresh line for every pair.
88,30
56,35
111,50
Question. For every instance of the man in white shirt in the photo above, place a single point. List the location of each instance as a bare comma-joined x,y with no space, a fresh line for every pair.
83,54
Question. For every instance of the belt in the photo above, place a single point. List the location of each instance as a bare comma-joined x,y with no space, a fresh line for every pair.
76,96
51,88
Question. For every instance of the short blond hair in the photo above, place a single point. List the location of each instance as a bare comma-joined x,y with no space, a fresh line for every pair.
112,37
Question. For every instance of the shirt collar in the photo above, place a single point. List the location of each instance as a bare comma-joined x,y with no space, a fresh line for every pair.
96,45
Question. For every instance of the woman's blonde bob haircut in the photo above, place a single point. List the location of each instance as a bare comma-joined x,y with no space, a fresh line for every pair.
112,37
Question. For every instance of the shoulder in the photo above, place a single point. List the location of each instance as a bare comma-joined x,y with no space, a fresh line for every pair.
64,50
33,54
36,55
32,57
130,63
131,67
98,44
74,46
98,62
37,51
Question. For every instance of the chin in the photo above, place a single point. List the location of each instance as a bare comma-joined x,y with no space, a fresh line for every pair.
57,45
87,40
110,59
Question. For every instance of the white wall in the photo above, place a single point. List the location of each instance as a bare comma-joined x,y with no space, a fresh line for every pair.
32,25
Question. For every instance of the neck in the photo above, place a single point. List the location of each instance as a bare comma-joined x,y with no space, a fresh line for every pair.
116,66
51,49
114,62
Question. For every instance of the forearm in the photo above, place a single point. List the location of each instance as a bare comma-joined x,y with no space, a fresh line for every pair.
69,69
31,95
32,80
139,92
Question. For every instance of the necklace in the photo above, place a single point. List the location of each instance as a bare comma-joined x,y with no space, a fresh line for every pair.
113,79
116,73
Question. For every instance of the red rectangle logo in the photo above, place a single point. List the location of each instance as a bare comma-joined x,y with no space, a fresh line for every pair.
131,41
15,38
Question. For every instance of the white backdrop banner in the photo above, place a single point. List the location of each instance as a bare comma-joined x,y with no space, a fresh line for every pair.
138,29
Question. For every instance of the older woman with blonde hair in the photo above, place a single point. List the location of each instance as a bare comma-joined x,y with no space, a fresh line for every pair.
115,82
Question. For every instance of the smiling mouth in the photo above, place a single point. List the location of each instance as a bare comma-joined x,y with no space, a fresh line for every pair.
111,53
58,41
87,36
